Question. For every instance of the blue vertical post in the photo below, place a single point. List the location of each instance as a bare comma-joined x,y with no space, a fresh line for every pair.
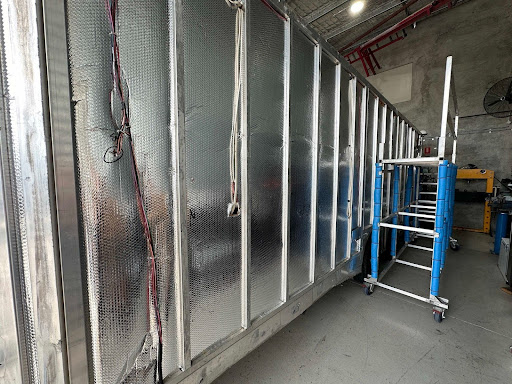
446,242
377,213
394,208
407,201
439,229
501,230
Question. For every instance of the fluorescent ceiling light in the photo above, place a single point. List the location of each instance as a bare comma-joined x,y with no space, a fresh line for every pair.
356,7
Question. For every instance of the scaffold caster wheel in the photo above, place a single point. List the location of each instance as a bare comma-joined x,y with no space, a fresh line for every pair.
454,246
368,289
438,316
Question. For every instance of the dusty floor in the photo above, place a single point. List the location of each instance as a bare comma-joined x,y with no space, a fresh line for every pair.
347,337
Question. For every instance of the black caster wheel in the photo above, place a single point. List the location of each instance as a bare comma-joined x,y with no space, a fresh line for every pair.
368,290
454,247
438,316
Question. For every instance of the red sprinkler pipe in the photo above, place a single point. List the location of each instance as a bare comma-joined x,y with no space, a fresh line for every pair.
365,53
379,24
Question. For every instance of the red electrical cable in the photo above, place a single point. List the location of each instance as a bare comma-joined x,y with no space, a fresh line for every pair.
124,129
269,6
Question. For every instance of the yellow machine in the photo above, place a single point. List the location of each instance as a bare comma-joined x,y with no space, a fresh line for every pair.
479,174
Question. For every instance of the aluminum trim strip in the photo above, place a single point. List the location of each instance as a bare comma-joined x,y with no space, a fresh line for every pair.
353,96
286,163
314,187
245,205
335,188
179,192
65,187
362,153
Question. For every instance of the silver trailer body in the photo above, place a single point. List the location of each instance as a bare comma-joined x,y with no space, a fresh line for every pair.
74,275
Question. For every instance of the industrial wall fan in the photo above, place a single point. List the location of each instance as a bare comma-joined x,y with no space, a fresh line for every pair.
498,99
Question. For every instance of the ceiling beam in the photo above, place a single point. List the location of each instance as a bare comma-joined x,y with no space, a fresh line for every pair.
366,37
345,50
376,12
324,10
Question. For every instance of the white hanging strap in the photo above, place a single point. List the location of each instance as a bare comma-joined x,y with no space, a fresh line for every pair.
234,4
234,206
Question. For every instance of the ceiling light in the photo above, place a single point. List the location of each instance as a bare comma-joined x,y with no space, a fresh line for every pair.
356,7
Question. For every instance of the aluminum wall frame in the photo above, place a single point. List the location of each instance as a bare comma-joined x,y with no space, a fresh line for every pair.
32,352
226,284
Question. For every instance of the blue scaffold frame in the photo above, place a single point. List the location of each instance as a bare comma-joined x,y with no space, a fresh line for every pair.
441,214
409,164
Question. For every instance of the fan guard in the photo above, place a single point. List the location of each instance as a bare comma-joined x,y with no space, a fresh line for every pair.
498,99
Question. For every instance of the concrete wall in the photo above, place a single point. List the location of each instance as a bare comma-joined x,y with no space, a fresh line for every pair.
477,35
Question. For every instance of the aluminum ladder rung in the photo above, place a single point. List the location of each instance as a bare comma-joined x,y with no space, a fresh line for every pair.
427,220
421,247
428,193
412,229
413,265
417,215
414,160
401,291
423,235
427,202
429,300
423,206
428,183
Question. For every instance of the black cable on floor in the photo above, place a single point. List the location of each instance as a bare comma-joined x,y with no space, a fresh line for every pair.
159,364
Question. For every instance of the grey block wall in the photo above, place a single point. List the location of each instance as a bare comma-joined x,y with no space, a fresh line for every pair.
477,34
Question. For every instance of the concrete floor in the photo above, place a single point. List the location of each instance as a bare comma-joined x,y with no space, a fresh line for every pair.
347,337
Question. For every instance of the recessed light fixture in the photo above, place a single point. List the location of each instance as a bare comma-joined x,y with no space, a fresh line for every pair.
356,7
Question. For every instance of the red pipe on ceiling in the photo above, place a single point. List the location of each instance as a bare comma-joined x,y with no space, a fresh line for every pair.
364,51
409,20
379,24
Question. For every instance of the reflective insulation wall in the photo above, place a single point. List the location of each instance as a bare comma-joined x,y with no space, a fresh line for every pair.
80,292
113,245
268,69
214,239
327,141
304,78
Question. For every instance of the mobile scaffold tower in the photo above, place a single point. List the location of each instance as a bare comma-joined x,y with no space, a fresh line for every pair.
404,205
